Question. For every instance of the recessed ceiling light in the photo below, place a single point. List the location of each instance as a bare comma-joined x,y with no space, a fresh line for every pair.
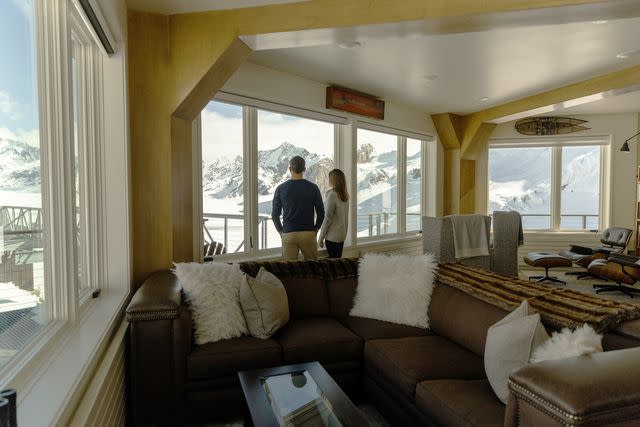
350,45
484,99
430,76
599,21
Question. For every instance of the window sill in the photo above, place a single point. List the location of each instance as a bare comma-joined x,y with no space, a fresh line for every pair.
560,232
48,394
376,241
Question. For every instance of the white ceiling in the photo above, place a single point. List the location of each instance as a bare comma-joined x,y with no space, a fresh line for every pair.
170,7
502,64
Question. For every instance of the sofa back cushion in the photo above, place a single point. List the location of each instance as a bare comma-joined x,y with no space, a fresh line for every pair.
341,294
307,296
462,318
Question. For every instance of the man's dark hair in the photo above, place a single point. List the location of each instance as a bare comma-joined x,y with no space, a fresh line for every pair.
297,164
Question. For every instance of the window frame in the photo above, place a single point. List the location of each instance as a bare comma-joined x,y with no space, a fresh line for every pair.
55,23
88,68
345,143
556,144
401,203
250,108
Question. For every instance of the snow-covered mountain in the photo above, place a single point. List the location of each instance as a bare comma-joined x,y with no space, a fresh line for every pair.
223,178
524,183
377,179
19,166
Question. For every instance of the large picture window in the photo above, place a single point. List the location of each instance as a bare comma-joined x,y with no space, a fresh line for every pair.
377,177
414,185
22,251
580,186
246,146
227,207
223,179
281,137
553,187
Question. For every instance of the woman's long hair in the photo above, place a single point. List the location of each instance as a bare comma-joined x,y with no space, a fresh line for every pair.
339,184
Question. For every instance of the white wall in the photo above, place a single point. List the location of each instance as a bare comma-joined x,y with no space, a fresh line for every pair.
267,84
622,179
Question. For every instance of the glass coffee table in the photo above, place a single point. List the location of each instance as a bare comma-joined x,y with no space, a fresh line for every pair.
298,395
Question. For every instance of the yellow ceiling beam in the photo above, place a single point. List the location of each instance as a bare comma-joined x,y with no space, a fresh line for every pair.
530,104
449,129
476,133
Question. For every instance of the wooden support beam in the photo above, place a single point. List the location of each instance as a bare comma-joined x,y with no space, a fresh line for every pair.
476,136
182,145
467,186
449,128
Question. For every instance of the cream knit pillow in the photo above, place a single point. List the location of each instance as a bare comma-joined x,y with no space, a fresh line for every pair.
509,345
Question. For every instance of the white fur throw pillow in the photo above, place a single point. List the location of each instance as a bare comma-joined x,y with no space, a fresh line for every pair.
509,345
395,288
568,343
213,292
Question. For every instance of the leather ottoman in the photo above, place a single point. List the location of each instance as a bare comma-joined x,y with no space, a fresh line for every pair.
546,260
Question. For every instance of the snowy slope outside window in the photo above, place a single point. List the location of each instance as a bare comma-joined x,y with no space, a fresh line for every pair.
222,176
21,241
580,204
520,180
377,192
414,184
281,137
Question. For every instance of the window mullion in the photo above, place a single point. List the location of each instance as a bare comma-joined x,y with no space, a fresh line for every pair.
250,141
556,191
54,78
402,184
198,211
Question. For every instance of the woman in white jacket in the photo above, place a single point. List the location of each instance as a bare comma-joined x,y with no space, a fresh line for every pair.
336,215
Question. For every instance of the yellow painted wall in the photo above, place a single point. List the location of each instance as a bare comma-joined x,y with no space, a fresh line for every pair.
170,56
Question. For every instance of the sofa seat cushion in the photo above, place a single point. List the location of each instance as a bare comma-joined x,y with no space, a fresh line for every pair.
371,329
227,357
460,402
321,339
404,362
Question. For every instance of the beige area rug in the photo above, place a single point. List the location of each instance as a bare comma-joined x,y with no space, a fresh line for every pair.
583,285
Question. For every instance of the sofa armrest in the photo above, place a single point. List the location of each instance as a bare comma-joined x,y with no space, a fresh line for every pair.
598,389
159,297
159,344
625,260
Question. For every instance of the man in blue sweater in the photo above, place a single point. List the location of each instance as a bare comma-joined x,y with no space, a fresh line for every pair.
297,199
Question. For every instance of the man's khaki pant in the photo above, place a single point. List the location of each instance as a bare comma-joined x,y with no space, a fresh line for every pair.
304,241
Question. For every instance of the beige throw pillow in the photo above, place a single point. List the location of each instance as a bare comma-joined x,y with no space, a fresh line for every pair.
264,304
509,345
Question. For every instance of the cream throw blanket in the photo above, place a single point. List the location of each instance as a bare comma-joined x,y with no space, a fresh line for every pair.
470,236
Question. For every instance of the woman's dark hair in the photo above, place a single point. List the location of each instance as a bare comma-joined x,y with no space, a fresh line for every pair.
340,184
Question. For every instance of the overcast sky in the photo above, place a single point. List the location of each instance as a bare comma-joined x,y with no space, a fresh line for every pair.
222,132
18,90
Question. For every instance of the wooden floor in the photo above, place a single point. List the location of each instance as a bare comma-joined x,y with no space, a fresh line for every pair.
584,285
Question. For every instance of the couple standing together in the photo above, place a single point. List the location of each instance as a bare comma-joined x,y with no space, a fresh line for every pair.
297,200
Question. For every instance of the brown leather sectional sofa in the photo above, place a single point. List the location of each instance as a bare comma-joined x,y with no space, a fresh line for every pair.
413,376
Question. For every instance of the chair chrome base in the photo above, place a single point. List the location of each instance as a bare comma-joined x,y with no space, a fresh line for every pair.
583,275
546,277
627,290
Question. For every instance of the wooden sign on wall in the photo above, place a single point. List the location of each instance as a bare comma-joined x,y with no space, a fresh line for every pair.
339,98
